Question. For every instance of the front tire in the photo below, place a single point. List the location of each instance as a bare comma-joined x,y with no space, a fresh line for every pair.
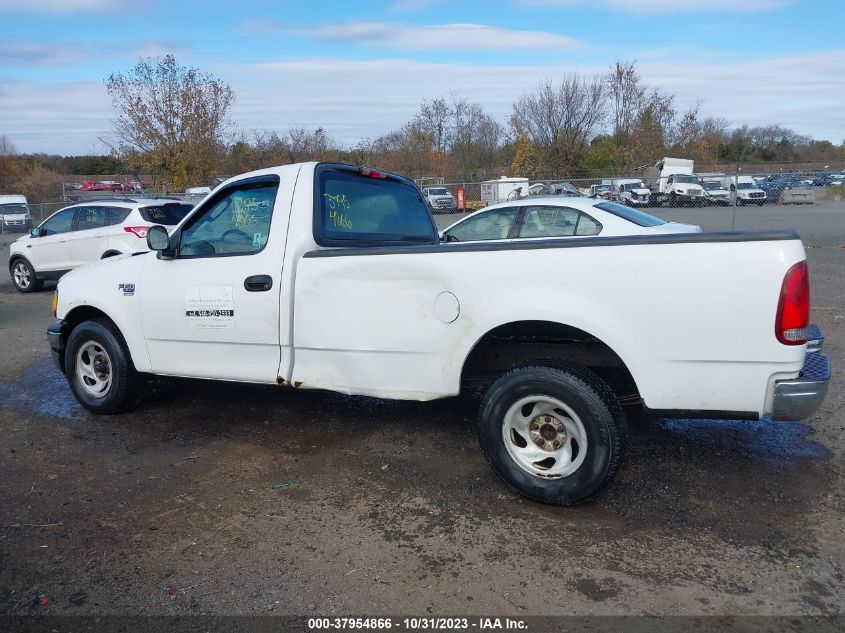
99,369
554,434
23,277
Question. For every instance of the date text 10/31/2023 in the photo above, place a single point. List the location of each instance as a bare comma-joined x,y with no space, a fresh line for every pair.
417,624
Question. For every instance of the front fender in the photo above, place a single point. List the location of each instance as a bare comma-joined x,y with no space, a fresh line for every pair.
100,287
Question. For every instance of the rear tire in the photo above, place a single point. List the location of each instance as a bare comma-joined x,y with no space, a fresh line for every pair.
23,276
99,369
554,434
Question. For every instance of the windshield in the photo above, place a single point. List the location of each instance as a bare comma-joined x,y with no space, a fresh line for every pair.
711,186
441,191
13,208
627,213
630,186
601,187
686,178
746,185
171,213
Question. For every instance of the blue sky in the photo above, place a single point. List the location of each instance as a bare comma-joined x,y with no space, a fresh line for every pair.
361,69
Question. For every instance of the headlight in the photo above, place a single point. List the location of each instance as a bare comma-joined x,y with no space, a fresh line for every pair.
55,303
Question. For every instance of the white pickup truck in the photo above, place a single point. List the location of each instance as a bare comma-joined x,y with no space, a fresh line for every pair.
328,276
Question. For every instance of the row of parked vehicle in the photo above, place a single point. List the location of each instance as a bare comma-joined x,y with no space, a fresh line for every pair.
108,185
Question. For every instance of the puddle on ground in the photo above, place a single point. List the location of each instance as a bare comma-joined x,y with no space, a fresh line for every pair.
776,443
42,390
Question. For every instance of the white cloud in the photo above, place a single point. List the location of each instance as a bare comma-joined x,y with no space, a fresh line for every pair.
434,37
66,118
664,6
55,6
38,54
55,54
356,99
414,5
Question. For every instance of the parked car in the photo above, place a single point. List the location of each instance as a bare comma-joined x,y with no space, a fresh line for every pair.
634,193
558,217
553,189
86,232
439,199
348,289
715,193
601,191
135,185
14,214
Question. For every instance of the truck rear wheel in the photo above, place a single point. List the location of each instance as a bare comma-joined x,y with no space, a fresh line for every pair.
99,369
553,434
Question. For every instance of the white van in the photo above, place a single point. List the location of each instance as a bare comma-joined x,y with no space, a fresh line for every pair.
14,214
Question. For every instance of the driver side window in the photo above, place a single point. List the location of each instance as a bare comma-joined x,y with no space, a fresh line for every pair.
236,223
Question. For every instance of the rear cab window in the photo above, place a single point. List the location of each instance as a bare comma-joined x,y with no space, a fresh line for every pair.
360,207
627,213
169,213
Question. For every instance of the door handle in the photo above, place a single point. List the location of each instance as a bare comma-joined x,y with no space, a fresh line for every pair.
258,283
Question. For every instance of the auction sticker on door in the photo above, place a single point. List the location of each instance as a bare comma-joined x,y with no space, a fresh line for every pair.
210,307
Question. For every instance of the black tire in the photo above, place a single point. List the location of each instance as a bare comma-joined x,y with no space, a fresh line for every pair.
26,280
673,200
127,386
589,398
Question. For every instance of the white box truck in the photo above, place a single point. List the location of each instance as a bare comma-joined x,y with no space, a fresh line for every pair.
503,189
673,181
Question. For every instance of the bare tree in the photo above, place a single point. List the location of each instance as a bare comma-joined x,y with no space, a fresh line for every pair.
561,120
171,118
626,95
433,120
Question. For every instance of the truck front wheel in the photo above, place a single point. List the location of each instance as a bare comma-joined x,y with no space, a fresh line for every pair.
99,368
553,434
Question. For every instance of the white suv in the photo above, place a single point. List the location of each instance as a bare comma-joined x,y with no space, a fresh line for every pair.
86,232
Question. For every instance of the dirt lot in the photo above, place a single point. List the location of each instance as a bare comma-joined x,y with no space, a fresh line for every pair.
231,499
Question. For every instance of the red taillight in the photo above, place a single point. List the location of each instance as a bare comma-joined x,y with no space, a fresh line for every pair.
371,173
137,231
794,306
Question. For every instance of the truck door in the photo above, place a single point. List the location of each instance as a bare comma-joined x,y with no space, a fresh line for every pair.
212,309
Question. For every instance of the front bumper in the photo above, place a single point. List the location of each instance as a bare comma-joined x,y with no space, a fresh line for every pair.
799,398
16,225
56,338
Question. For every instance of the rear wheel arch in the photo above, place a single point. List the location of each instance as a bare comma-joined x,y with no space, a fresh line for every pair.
518,343
110,253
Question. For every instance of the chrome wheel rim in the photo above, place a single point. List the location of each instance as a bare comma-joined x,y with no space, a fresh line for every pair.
93,369
544,437
22,276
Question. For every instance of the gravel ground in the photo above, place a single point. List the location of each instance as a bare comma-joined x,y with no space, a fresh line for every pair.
235,499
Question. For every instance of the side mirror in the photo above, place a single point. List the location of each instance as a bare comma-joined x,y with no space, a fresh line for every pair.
158,240
35,232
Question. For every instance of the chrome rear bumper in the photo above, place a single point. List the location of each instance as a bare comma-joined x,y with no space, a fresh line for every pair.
801,397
